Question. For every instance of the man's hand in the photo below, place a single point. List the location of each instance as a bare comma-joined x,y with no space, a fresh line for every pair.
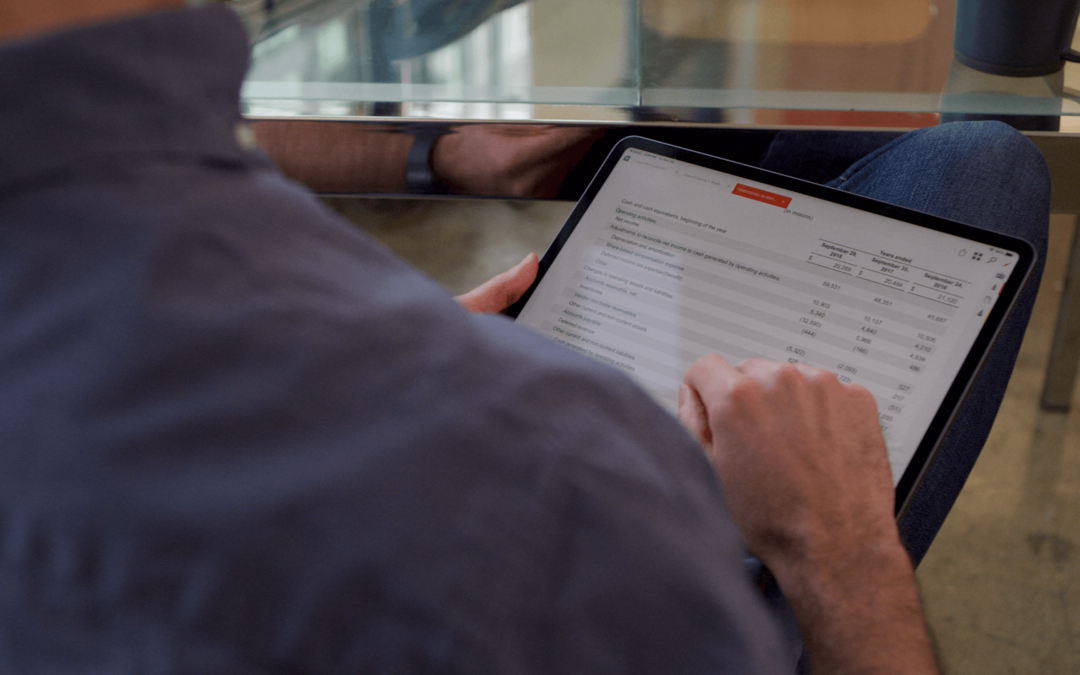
807,480
798,435
510,160
503,289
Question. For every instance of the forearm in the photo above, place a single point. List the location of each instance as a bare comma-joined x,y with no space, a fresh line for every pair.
494,160
337,156
860,613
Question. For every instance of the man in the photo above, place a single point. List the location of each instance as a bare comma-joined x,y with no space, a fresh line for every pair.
237,436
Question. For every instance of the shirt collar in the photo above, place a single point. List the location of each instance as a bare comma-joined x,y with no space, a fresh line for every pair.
157,84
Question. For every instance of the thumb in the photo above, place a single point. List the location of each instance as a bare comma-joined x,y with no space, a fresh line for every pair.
502,290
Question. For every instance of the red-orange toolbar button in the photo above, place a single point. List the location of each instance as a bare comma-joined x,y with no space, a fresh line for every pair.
761,195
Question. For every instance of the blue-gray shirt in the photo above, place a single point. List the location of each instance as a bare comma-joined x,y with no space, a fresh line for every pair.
237,436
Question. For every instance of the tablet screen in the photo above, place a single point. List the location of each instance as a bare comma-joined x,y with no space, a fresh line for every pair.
666,260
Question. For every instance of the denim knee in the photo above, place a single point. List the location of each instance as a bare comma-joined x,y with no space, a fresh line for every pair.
981,173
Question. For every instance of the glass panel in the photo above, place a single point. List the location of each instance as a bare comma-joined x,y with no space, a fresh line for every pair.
835,62
822,55
487,59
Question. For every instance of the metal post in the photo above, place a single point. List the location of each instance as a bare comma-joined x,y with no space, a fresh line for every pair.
1065,352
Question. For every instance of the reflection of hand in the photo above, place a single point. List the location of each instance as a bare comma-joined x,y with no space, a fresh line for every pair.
807,480
502,290
510,160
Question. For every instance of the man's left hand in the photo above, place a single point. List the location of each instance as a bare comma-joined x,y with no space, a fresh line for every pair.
503,289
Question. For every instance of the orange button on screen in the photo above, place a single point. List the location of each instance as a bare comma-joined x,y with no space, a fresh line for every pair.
761,195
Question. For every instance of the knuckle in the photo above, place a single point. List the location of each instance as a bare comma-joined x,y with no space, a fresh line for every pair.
791,375
700,368
788,370
822,377
710,359
862,395
744,389
755,363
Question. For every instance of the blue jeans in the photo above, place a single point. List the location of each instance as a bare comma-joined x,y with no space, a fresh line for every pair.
981,173
984,174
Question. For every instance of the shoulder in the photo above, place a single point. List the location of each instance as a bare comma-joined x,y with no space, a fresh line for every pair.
354,472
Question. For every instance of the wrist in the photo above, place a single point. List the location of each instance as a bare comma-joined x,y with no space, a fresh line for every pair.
420,175
859,607
840,574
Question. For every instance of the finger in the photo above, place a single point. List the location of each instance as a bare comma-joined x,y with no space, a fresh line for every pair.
767,371
709,373
762,367
502,290
817,379
693,416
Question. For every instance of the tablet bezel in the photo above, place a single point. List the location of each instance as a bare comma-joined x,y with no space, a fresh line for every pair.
942,420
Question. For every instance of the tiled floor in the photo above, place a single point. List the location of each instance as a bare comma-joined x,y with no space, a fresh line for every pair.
1001,583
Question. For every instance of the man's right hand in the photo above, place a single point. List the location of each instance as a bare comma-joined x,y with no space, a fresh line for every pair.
807,480
800,454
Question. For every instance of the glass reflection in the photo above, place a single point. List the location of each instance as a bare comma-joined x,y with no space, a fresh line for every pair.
770,62
470,49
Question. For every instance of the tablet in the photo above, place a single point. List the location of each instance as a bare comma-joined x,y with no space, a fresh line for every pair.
672,254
